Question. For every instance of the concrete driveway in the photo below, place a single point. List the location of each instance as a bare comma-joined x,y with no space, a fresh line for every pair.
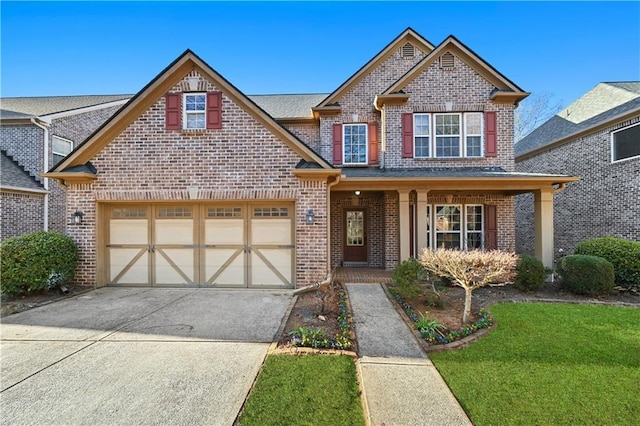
124,356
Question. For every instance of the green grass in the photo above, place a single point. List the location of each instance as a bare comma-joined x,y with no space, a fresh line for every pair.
305,390
550,364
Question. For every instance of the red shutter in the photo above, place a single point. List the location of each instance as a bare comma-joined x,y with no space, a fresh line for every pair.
337,144
490,227
490,138
214,110
407,135
172,111
373,143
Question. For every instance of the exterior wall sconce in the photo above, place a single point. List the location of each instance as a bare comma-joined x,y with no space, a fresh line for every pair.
357,192
76,218
310,217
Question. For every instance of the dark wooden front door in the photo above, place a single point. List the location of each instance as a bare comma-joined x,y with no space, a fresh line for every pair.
355,236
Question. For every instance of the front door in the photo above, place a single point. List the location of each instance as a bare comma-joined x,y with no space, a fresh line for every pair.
355,238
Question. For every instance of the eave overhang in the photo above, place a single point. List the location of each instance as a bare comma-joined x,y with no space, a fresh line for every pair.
326,110
66,178
470,185
19,190
316,174
503,97
390,99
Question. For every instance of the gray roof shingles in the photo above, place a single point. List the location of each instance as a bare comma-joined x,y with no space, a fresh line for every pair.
288,106
45,105
14,175
611,103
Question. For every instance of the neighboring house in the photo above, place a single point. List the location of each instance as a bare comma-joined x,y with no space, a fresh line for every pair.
194,183
598,139
35,134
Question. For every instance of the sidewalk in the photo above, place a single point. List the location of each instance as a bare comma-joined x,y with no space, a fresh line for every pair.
401,385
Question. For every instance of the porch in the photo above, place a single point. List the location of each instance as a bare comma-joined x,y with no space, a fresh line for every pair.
362,275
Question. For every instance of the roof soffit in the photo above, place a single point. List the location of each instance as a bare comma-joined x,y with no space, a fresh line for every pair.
457,48
408,35
157,88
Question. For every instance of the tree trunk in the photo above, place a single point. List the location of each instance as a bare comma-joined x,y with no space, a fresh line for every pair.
467,305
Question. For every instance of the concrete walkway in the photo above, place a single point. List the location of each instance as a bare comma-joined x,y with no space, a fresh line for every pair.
401,385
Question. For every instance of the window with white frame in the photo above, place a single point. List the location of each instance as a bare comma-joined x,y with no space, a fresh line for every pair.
473,134
455,226
422,135
625,143
195,110
60,148
355,143
448,135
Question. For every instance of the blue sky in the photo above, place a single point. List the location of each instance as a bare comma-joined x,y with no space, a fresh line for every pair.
74,48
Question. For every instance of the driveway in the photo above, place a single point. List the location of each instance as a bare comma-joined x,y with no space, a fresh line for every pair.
137,356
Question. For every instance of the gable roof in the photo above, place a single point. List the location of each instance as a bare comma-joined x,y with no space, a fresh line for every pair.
291,106
47,105
408,35
506,89
158,87
601,106
14,176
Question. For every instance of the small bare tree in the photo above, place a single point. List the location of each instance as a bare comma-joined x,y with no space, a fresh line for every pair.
534,111
471,269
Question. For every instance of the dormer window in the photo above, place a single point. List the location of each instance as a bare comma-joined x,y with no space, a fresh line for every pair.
195,108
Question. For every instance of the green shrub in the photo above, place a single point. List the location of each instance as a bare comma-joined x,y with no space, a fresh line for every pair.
37,261
530,272
623,254
587,275
407,278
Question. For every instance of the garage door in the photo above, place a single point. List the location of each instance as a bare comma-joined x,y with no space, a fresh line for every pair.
242,245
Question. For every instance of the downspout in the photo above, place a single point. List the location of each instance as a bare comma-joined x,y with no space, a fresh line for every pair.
327,280
45,168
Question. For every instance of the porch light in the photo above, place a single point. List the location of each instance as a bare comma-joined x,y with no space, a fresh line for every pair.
76,218
310,217
357,192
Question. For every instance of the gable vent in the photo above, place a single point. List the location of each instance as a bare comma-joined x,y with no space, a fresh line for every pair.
447,61
408,51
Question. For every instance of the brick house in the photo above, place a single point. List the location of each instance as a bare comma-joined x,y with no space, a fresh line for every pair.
597,137
194,183
35,134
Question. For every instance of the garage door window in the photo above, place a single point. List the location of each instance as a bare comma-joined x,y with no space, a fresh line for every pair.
174,212
271,212
129,213
224,212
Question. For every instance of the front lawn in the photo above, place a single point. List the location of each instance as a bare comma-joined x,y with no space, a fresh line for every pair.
305,390
560,364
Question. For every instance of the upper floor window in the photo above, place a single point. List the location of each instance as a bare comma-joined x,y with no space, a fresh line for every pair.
195,109
625,143
355,143
60,148
448,135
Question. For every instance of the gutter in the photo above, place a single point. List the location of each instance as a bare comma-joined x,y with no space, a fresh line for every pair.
45,155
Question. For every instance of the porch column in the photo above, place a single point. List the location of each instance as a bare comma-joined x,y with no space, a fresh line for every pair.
403,221
543,209
422,221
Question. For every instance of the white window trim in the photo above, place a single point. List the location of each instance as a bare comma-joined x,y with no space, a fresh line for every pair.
464,143
366,145
416,135
613,160
432,230
67,141
186,113
460,135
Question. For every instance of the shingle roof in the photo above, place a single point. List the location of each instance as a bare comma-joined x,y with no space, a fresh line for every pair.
44,105
438,172
7,115
14,175
288,106
599,105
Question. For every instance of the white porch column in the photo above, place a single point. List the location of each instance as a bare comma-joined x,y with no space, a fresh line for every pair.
543,209
403,222
422,221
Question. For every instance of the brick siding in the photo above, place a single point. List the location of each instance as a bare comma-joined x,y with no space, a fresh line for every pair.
20,214
606,200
